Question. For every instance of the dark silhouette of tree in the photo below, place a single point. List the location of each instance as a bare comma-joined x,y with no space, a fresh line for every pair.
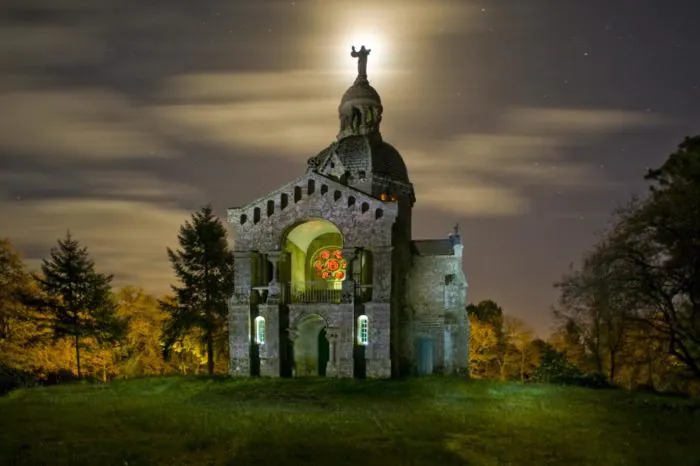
595,307
487,311
204,268
641,284
75,301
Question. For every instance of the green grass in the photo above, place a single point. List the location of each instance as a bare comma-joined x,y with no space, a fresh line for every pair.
432,421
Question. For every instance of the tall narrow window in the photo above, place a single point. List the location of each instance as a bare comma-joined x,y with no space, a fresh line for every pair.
260,330
362,330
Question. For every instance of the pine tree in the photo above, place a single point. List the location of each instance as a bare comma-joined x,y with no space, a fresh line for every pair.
204,268
76,302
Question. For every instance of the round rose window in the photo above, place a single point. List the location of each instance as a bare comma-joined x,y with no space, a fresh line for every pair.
329,264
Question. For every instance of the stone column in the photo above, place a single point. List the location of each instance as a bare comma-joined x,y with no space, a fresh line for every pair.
332,335
381,276
240,316
293,334
274,294
349,283
377,352
270,350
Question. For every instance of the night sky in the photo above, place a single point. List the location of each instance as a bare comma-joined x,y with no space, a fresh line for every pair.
525,121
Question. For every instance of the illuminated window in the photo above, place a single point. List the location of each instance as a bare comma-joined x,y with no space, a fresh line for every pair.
260,330
329,264
362,330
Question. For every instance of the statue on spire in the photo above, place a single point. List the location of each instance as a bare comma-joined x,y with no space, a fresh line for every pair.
362,61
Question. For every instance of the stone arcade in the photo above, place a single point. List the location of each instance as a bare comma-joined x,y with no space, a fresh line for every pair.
328,280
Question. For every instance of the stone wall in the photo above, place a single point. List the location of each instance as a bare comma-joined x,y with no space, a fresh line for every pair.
261,227
436,295
362,220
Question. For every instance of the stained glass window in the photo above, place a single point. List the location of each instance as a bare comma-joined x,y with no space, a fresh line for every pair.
329,264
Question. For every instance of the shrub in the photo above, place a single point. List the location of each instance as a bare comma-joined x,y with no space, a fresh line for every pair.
11,378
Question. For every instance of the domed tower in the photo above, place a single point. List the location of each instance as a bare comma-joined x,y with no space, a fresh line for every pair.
360,158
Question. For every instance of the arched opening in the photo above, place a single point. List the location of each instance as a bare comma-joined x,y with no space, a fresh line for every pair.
311,347
260,330
363,330
316,267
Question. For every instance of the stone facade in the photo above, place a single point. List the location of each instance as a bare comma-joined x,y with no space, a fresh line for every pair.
328,280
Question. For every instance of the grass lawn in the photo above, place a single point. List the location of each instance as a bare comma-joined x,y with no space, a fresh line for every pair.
431,421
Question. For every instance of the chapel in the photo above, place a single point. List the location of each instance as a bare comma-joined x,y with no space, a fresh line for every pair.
328,278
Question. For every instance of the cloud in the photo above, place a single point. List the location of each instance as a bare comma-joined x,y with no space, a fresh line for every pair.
487,174
289,114
576,121
45,45
283,113
124,238
225,87
113,184
86,124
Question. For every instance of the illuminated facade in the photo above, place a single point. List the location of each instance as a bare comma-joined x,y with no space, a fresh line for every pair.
328,278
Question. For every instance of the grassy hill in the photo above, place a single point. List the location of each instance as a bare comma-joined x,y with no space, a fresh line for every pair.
434,421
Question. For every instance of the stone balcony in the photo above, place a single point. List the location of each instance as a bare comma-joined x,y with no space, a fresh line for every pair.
305,293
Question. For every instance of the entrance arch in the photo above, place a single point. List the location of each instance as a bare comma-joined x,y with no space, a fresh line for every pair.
311,347
316,263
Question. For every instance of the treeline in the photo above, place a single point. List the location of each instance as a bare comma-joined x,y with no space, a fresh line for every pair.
629,314
67,322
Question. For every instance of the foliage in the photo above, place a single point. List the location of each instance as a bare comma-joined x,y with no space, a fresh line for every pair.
75,302
483,348
634,305
499,345
142,347
595,311
204,268
487,311
426,421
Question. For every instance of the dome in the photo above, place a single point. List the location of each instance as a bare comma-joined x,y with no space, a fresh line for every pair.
360,109
361,91
367,153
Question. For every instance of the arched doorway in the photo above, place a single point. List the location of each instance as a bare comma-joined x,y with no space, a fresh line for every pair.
311,347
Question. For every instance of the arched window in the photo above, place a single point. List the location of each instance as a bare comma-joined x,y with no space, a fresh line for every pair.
260,330
363,330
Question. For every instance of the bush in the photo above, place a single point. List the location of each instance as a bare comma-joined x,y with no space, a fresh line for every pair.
556,369
11,378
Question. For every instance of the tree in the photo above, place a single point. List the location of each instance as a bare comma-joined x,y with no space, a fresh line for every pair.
658,242
595,306
14,282
519,338
76,302
142,352
487,311
483,348
204,268
19,334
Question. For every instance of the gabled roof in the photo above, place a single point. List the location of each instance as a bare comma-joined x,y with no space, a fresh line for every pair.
432,247
390,209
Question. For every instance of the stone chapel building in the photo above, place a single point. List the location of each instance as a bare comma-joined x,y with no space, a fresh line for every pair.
328,278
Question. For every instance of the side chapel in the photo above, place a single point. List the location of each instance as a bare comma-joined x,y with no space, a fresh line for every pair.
328,278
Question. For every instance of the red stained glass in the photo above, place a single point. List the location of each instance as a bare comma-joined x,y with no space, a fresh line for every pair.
329,264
